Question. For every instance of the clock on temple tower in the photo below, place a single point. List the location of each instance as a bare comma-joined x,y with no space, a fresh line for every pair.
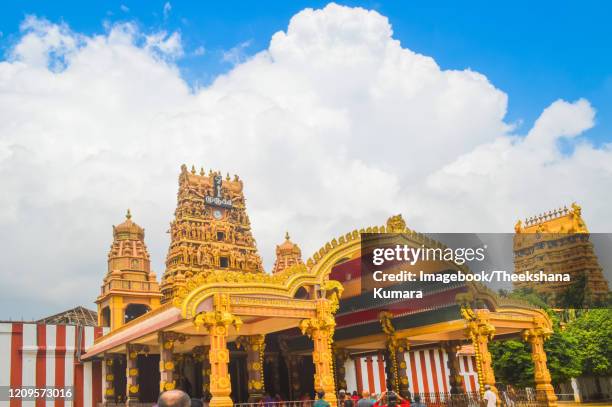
211,229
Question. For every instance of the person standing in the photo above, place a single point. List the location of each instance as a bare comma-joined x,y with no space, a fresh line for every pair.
343,400
321,402
365,400
490,397
174,398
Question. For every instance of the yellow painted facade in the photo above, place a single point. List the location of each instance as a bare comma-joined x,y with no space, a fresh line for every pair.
558,242
129,280
214,292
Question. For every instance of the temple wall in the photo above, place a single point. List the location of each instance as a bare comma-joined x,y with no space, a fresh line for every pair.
47,355
427,372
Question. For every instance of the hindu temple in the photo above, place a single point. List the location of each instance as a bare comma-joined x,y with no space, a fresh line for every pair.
220,326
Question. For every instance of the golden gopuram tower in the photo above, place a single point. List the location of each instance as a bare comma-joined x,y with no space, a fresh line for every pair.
211,230
558,242
129,288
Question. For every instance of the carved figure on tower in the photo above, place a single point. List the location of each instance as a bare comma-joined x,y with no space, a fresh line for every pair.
211,229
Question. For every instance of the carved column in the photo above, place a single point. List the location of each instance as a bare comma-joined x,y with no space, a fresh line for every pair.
202,353
217,323
402,368
294,364
544,389
321,330
394,355
340,358
455,379
276,372
109,380
166,361
254,345
480,331
132,387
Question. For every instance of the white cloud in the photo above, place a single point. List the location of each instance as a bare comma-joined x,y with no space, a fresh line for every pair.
236,55
334,126
167,9
167,45
124,8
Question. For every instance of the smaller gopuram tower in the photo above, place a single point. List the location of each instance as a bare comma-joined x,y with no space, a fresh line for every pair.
557,242
211,230
130,288
287,255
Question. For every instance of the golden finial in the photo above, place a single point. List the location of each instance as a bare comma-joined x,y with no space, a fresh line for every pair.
202,171
128,215
287,235
227,178
193,170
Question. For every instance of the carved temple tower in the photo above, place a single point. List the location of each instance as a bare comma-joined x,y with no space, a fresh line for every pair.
211,230
558,242
287,254
129,288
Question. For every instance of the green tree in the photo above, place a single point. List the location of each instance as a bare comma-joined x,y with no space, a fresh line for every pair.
592,332
512,362
512,358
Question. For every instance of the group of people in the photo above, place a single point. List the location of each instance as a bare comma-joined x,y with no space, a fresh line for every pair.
389,398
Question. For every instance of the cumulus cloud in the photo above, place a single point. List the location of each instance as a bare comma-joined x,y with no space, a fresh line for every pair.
334,126
237,54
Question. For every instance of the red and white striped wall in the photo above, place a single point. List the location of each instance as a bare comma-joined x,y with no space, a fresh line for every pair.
47,355
427,372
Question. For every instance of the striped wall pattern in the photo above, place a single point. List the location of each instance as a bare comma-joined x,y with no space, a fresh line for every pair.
427,371
47,355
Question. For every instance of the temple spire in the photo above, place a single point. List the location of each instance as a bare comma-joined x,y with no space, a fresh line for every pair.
287,255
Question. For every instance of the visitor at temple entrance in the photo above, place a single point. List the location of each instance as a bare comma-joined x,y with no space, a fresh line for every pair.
365,400
490,397
320,402
343,400
174,398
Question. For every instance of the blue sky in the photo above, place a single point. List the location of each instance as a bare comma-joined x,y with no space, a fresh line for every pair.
383,127
536,52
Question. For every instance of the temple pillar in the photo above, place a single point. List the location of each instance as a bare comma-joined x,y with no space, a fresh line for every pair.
254,345
402,369
217,323
394,355
294,364
166,361
321,330
480,331
544,389
455,379
276,373
202,353
340,357
109,380
132,390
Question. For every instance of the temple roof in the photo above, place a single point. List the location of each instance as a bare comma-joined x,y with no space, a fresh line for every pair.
128,229
561,220
287,254
75,316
